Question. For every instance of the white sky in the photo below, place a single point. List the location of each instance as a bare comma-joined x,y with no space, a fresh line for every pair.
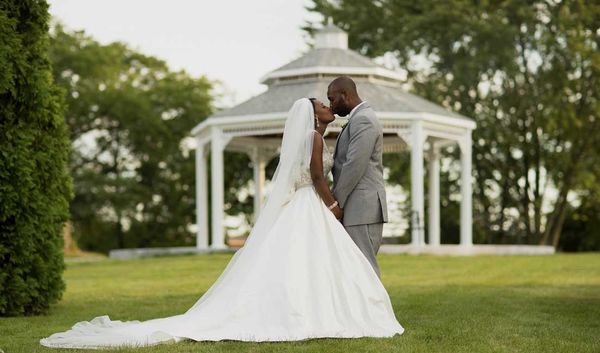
234,42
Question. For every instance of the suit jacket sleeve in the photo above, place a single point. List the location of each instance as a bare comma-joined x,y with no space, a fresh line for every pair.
363,136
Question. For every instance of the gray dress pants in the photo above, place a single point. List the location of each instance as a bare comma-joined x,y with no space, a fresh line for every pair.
368,239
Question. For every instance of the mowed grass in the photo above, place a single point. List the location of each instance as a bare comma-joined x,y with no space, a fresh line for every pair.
446,304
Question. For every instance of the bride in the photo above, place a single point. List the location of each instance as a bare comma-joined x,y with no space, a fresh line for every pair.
299,275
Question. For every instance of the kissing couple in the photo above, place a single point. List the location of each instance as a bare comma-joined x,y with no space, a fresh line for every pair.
308,268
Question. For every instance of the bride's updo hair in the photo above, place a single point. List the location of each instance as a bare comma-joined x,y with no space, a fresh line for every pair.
312,100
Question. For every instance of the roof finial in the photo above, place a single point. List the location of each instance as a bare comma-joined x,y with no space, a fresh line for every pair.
331,36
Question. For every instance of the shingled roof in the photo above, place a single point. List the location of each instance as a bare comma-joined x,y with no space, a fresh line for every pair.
311,73
383,98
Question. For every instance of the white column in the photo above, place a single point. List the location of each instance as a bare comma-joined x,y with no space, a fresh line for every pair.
201,197
218,186
259,162
466,215
417,193
434,195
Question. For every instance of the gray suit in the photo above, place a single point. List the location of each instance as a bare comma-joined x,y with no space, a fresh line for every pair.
358,181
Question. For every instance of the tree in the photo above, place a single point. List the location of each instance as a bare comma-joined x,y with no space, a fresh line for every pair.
130,117
526,71
35,187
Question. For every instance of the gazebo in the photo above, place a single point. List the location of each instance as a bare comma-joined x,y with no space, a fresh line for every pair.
255,127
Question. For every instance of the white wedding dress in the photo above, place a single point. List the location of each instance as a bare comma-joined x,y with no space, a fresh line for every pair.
304,279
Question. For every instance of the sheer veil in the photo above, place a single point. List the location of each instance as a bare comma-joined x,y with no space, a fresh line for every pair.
295,154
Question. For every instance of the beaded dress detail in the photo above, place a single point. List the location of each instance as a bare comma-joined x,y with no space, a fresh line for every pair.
305,178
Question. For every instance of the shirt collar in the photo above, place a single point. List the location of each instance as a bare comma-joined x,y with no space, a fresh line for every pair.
354,110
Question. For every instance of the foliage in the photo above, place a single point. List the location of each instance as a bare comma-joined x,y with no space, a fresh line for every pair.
132,165
581,231
526,71
35,187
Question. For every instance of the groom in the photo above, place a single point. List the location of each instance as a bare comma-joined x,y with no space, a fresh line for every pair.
358,169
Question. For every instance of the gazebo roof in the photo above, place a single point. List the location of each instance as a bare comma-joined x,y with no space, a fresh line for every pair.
333,57
382,97
311,73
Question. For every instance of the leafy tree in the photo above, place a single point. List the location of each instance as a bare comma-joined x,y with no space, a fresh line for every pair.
526,71
581,231
35,187
132,166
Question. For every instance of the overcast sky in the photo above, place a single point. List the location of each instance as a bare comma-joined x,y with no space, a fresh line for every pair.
235,42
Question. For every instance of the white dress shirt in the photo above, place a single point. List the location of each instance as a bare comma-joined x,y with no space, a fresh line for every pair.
354,110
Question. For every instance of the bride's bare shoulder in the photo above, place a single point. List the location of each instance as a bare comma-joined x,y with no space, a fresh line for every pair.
317,140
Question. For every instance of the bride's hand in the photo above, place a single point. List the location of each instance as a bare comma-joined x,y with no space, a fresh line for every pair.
338,213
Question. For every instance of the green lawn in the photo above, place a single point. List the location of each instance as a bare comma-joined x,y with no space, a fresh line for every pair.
446,304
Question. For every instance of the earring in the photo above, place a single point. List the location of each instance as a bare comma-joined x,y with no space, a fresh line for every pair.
316,121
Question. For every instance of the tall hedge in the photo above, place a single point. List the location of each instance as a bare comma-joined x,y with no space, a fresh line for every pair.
35,187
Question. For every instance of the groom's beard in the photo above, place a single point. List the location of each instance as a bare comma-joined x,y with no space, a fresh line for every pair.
343,111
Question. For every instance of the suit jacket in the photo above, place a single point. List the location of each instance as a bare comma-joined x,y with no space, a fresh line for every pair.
358,169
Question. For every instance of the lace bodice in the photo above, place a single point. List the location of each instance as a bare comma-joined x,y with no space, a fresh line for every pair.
305,177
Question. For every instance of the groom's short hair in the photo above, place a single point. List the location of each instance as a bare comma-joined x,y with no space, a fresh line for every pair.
344,84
